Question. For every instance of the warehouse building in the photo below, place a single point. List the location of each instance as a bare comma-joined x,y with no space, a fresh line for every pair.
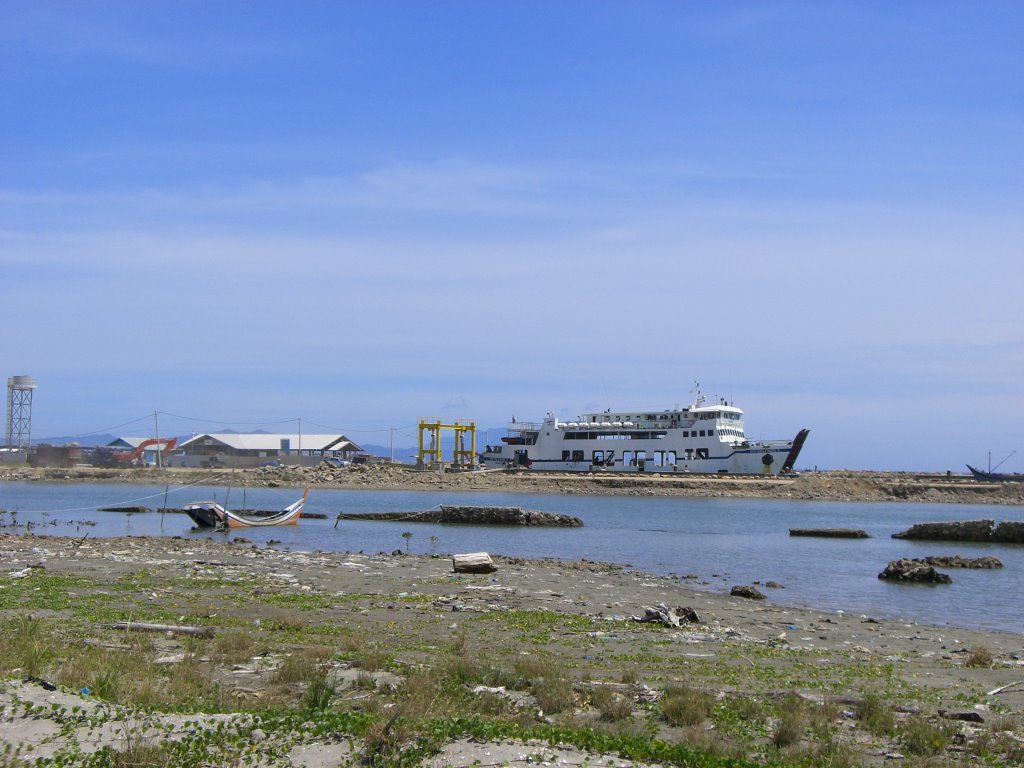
233,449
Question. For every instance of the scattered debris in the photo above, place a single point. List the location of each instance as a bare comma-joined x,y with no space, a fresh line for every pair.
670,617
473,562
134,626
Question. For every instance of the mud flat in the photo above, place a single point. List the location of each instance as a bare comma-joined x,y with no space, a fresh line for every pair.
379,627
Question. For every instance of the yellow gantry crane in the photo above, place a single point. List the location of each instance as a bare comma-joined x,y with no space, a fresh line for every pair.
430,451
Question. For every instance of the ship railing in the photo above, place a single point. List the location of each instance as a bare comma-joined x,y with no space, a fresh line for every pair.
524,426
770,443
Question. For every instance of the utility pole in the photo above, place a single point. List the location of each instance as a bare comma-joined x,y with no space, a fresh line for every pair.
392,431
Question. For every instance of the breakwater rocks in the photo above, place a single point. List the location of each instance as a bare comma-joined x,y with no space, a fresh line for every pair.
956,561
830,533
1007,532
465,515
922,569
913,571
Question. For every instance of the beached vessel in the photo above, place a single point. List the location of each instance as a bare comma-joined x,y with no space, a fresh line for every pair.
210,514
995,477
700,438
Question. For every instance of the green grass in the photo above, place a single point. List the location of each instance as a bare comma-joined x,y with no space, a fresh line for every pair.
724,710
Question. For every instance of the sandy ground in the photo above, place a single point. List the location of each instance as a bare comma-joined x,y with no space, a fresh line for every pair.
931,658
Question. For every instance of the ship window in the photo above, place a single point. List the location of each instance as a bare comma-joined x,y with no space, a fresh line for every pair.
565,455
577,455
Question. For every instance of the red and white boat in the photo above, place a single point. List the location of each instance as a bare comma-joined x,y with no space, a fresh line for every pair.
210,514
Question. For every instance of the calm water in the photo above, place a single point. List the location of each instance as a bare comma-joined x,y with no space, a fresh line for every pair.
722,541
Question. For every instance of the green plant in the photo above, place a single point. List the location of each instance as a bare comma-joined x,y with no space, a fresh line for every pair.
683,706
612,705
406,535
30,649
923,737
875,715
319,693
303,665
979,657
793,722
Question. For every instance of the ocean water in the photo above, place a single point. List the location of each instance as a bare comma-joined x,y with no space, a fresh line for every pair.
720,541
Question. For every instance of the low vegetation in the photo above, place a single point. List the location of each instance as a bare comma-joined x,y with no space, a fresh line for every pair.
390,678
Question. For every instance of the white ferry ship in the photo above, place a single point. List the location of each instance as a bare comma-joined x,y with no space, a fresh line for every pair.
701,438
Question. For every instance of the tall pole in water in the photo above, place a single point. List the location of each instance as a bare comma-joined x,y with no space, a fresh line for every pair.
156,434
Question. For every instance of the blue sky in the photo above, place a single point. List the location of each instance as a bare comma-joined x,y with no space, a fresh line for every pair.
358,214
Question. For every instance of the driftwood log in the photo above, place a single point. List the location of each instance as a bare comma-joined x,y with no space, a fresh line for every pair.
135,626
474,562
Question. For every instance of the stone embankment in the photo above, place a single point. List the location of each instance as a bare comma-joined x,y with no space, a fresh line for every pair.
1007,532
808,486
830,533
460,515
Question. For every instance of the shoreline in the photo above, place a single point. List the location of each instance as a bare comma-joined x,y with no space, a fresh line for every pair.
831,485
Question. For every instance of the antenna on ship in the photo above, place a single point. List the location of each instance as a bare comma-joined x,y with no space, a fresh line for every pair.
698,398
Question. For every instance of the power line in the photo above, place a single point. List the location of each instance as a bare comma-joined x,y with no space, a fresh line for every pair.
222,421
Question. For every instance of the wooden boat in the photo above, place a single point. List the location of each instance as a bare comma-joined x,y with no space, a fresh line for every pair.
204,514
210,514
995,477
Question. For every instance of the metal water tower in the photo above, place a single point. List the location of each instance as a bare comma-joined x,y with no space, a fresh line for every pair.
19,411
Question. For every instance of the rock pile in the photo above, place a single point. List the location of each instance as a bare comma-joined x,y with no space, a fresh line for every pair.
913,571
745,590
956,561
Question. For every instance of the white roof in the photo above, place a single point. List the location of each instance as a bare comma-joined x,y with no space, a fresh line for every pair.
266,442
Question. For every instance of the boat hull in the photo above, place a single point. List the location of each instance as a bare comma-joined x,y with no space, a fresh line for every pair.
765,460
209,514
995,477
205,514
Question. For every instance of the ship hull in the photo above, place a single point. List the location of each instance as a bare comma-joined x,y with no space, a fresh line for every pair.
665,455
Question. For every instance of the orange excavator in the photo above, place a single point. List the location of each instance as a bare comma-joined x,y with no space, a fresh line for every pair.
133,456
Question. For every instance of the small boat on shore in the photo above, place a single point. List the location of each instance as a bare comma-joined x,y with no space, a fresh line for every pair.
210,514
995,477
